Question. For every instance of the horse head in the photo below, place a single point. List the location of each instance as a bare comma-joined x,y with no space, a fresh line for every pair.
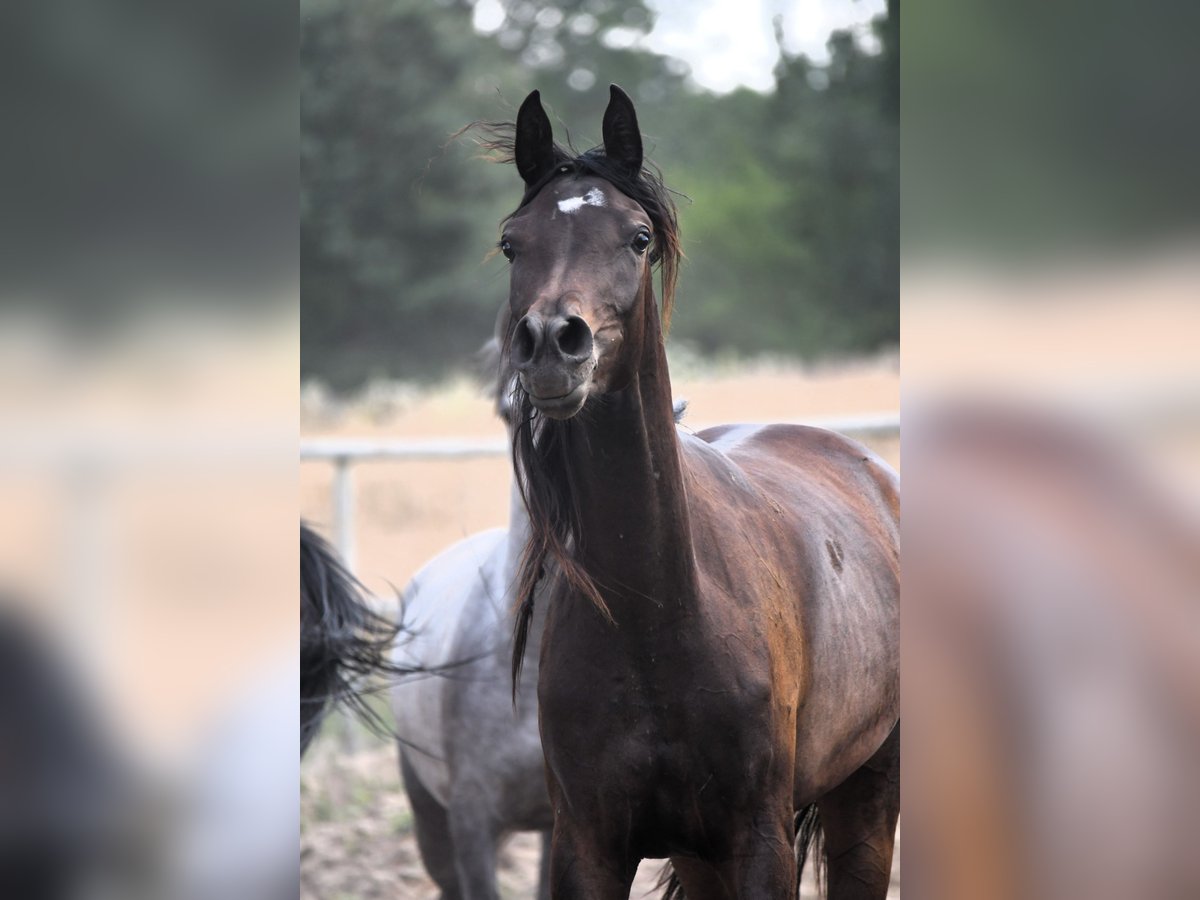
581,249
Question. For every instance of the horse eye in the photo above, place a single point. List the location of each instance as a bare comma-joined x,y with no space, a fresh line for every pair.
507,249
641,241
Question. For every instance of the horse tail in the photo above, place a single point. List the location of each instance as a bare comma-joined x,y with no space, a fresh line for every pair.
342,639
810,841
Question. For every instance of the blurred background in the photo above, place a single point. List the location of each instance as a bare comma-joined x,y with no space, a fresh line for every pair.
148,378
1051,323
775,122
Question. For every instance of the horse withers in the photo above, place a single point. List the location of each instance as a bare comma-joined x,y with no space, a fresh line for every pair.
719,665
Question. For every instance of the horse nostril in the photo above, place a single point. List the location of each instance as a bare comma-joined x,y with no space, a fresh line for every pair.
574,338
525,342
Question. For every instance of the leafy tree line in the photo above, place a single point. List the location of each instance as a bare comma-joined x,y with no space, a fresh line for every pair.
790,199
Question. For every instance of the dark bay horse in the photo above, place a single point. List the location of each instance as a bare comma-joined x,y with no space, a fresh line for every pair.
720,657
342,639
470,752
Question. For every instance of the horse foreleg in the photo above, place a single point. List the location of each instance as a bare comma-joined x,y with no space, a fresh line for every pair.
759,864
543,892
476,838
697,880
433,833
859,820
765,864
581,870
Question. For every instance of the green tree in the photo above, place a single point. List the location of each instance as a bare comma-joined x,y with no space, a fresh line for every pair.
790,204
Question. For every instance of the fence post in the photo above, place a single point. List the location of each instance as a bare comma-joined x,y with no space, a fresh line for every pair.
343,510
343,537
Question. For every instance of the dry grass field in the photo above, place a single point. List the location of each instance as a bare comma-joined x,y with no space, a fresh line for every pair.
356,823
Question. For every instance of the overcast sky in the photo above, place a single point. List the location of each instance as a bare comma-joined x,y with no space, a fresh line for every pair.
727,43
732,42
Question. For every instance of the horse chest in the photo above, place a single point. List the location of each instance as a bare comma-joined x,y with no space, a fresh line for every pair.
675,750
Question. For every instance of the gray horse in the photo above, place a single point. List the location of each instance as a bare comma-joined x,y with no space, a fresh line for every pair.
470,752
471,762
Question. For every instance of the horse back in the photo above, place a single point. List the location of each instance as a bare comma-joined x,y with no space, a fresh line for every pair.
814,479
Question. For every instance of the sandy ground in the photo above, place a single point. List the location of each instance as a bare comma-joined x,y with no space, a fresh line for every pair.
356,823
357,840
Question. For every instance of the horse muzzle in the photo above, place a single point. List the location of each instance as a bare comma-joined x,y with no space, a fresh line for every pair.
554,357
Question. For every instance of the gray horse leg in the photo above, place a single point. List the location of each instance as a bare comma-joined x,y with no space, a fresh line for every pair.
434,838
476,838
544,871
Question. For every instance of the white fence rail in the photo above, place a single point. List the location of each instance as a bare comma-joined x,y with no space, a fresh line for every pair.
345,453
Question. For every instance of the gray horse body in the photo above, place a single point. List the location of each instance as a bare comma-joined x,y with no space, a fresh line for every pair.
472,764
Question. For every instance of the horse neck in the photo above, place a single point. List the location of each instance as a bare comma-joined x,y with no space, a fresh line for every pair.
627,476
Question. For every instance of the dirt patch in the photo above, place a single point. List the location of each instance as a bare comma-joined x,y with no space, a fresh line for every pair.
357,840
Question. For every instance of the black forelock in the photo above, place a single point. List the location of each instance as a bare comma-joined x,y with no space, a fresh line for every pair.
645,187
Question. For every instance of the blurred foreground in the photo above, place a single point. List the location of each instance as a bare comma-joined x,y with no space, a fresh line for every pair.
1051,326
148,376
1051,632
148,598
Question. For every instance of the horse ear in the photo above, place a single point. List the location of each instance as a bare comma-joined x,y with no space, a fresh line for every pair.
534,150
622,139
